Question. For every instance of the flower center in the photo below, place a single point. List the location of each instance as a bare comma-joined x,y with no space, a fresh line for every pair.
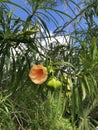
40,72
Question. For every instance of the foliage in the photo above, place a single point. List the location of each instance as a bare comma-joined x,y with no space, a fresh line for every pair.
68,99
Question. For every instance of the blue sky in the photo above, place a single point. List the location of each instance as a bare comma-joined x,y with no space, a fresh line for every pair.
19,12
50,25
24,15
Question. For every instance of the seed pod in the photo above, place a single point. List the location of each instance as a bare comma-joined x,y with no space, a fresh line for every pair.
55,83
28,32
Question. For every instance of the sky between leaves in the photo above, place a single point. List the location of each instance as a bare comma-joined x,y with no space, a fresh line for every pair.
72,11
51,26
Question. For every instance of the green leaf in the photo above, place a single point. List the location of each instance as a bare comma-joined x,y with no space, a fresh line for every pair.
94,48
2,66
87,84
83,90
64,63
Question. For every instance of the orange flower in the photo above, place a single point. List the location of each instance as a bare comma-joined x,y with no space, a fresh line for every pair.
38,74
